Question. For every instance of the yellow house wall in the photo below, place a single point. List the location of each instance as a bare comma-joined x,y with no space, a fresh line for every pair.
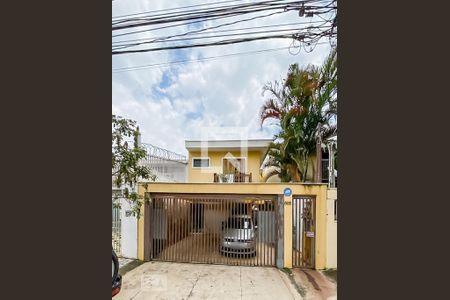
317,190
253,162
331,230
140,233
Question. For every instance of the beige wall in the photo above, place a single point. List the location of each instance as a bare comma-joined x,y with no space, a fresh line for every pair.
331,230
253,162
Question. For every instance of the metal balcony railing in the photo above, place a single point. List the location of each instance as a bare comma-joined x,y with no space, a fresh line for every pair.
233,177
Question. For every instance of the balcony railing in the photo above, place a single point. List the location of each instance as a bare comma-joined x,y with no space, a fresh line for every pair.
233,177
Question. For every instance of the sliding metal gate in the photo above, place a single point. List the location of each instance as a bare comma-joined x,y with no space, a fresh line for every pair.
303,232
215,229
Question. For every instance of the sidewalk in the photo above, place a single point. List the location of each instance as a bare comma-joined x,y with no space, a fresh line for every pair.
165,280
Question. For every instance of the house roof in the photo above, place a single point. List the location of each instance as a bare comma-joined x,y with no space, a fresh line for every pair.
226,145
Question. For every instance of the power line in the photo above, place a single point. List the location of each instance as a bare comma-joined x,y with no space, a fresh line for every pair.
214,4
213,27
194,11
176,8
292,31
194,16
210,36
209,18
168,64
223,24
118,70
189,33
307,35
226,30
237,9
171,26
225,42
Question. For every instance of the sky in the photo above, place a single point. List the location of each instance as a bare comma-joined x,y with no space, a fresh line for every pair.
213,99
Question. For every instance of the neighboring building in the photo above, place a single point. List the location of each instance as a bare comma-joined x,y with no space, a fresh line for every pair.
168,166
226,160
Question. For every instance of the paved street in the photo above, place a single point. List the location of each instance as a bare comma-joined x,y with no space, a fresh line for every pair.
164,280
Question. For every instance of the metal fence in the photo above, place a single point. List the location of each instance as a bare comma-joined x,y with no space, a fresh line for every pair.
215,229
116,229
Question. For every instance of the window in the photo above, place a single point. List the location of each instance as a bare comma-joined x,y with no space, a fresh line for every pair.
200,162
335,210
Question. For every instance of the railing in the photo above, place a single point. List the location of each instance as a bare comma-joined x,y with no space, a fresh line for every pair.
233,177
162,154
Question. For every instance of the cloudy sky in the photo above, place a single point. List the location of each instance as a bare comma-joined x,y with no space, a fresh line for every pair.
219,98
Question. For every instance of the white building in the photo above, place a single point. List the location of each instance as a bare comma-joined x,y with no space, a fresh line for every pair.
168,166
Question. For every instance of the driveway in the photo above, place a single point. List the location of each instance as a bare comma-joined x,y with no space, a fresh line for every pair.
165,280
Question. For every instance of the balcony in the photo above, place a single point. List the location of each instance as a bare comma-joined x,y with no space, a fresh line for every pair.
232,177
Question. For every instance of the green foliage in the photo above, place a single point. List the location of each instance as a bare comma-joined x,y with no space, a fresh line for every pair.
127,169
304,105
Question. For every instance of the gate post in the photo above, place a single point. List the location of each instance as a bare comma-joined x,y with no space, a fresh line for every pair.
321,228
287,225
141,227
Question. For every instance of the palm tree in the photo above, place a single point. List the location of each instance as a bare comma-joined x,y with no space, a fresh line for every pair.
278,163
305,107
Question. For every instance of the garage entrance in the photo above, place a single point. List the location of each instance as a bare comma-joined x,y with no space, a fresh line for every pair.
215,229
303,232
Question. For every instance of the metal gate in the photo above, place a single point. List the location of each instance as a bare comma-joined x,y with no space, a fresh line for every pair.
116,229
215,229
303,232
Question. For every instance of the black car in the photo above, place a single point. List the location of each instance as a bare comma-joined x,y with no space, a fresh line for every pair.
116,278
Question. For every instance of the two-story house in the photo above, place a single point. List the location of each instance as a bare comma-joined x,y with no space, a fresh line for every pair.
292,222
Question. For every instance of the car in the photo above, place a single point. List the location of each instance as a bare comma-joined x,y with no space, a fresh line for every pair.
238,236
116,277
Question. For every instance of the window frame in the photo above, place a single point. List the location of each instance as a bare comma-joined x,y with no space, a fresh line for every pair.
201,167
